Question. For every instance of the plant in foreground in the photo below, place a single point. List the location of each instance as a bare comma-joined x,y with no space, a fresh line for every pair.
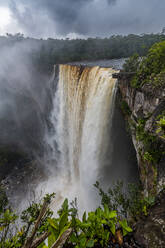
103,227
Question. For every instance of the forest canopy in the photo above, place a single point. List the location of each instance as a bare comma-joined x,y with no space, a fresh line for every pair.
55,51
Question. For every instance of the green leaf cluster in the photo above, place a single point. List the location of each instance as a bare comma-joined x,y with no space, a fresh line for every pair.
150,69
96,229
12,236
128,201
152,148
161,127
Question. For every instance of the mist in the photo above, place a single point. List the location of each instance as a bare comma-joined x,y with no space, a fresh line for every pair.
23,97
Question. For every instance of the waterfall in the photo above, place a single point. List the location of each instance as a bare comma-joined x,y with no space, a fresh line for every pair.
79,139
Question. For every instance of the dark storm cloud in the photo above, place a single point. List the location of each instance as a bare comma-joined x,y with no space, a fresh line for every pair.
87,17
37,14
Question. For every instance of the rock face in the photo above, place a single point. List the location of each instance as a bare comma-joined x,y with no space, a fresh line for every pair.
150,232
145,106
142,108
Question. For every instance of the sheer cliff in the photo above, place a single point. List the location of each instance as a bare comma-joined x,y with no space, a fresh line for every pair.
143,108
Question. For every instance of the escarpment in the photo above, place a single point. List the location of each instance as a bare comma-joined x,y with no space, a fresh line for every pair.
143,108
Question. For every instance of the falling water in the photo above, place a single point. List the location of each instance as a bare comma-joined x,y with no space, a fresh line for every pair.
79,138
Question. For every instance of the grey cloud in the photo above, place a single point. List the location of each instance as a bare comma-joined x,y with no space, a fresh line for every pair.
111,1
59,16
88,17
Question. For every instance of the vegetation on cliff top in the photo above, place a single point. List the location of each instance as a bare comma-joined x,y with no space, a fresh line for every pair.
148,126
150,69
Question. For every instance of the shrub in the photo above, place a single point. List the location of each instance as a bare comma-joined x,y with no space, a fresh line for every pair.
104,227
132,64
161,127
129,202
151,68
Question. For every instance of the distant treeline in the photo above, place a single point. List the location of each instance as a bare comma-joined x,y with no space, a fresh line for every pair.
54,51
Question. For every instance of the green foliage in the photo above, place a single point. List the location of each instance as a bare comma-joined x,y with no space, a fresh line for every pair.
96,229
115,198
6,219
129,202
125,108
11,237
151,68
132,64
99,228
161,127
148,157
152,148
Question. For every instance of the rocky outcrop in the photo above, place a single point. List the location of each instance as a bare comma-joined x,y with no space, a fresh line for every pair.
145,105
142,108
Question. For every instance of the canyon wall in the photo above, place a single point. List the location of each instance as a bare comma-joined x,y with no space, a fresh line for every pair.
142,109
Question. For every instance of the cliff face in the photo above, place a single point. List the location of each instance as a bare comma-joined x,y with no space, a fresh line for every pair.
143,107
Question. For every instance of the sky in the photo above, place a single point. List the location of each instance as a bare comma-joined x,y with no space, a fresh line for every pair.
81,18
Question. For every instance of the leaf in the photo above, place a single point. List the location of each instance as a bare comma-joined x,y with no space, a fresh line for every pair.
83,242
106,210
54,232
85,225
73,238
124,232
90,243
99,212
125,227
51,240
53,223
64,229
65,204
78,222
84,217
113,228
91,216
43,246
63,221
129,229
107,235
112,214
103,222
